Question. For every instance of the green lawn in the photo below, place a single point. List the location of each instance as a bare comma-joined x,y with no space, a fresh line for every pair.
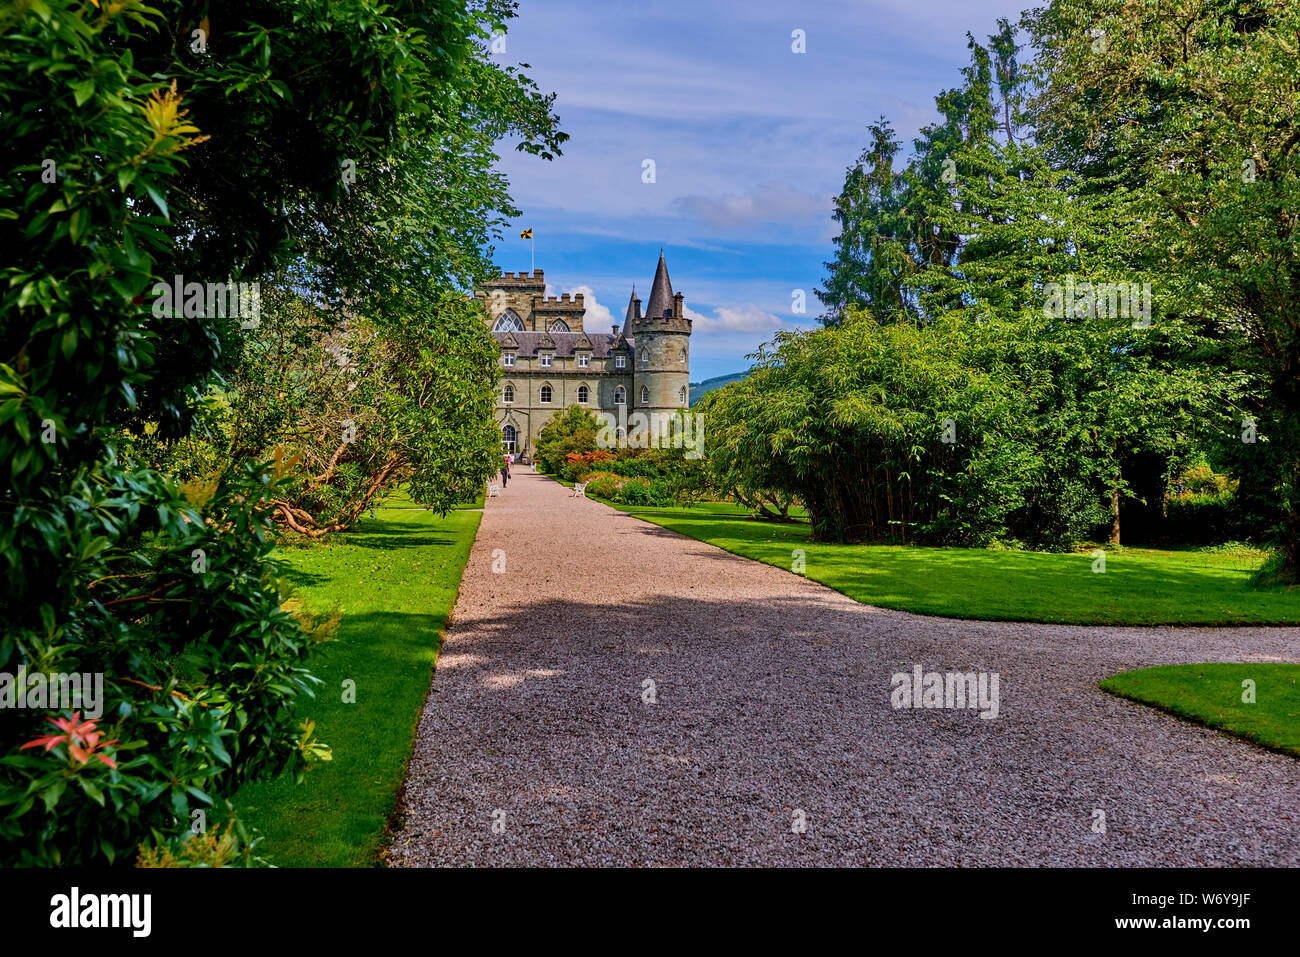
1141,586
1211,694
395,579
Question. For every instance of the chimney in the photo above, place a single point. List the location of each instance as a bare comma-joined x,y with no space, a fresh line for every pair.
615,330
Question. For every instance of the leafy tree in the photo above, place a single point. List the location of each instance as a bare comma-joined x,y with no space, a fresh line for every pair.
572,430
1111,397
1202,111
738,463
134,154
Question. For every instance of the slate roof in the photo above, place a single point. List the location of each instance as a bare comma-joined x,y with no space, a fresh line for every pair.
565,342
661,293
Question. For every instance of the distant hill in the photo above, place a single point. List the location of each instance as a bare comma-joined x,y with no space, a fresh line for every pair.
717,382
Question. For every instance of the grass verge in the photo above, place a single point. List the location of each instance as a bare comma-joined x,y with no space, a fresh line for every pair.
396,579
1211,695
1140,586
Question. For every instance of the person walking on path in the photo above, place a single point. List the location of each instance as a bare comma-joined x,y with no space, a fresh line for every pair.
505,470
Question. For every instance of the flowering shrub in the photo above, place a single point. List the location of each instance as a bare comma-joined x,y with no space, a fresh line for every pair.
203,664
602,484
577,463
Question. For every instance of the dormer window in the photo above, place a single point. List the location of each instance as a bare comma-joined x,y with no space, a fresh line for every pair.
620,362
546,361
508,358
584,361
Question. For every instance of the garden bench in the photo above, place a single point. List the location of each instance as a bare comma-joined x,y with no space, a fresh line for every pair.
579,489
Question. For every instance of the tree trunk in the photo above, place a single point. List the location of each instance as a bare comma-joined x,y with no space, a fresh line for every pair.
1114,510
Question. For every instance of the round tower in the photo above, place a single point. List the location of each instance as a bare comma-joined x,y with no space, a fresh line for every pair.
661,346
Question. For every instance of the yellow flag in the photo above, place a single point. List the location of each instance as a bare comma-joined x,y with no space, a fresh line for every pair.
527,233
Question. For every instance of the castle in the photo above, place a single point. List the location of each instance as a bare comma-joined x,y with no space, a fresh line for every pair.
550,362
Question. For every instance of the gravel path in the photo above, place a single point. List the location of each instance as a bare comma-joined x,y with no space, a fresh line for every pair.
772,706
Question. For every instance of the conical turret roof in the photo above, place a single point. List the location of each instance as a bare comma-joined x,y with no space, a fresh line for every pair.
661,293
631,310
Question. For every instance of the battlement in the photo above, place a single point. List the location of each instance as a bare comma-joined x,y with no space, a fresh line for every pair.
534,278
661,324
561,303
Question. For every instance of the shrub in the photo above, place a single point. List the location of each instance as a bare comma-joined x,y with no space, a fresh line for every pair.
641,491
578,463
1203,480
602,484
1205,518
203,661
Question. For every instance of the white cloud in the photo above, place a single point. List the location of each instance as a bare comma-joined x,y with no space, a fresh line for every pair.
770,202
597,318
746,318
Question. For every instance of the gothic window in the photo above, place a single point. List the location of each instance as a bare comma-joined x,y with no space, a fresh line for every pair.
682,357
559,325
645,359
620,396
509,321
509,437
583,393
545,394
508,393
645,396
681,396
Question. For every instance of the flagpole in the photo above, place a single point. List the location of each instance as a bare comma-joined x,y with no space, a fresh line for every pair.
532,252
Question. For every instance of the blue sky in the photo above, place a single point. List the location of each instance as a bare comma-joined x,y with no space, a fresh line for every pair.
749,140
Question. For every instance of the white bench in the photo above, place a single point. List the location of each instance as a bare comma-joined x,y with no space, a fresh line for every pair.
579,490
493,489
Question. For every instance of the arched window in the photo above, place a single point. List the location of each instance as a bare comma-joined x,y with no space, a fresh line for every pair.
509,321
545,395
559,325
620,396
508,393
682,357
645,358
583,393
508,437
681,396
645,396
